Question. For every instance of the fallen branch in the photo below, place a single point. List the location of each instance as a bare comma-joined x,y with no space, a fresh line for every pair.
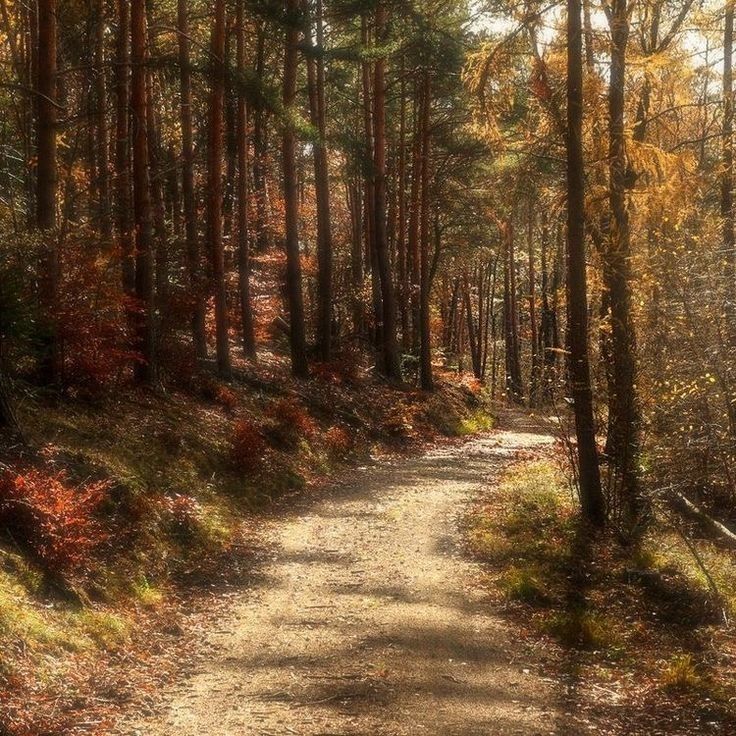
687,507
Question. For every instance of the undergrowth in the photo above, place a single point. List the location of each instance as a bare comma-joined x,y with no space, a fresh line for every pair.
643,617
123,500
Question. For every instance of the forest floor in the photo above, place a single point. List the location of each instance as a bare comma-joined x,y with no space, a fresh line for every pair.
366,617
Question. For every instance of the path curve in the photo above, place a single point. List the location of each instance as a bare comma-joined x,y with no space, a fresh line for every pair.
368,621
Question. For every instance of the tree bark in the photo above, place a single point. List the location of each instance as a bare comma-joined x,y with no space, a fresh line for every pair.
103,155
215,146
317,104
591,495
123,206
145,368
297,336
196,284
514,381
624,419
246,306
391,361
426,379
46,186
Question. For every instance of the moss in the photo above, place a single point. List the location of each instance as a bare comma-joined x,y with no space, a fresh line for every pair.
107,630
524,584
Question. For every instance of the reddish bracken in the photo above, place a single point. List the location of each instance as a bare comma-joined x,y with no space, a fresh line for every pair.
53,517
227,398
338,441
290,422
248,446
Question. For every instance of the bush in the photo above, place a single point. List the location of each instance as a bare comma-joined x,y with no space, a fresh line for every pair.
338,441
289,423
248,446
54,518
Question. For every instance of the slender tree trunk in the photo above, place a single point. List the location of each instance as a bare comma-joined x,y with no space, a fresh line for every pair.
291,199
246,306
401,246
391,360
145,369
103,151
196,284
46,186
591,495
214,189
413,258
390,363
514,381
624,421
727,207
259,148
549,322
535,376
475,358
123,206
426,378
317,104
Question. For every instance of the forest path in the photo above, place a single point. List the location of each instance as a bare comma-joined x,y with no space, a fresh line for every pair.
368,620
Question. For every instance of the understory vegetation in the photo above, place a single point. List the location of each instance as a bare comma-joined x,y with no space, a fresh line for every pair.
636,632
131,500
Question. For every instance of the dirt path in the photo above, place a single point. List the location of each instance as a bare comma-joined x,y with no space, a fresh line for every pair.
367,620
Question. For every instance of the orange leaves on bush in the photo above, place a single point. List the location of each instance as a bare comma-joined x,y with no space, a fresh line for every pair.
53,517
289,422
338,441
248,446
227,398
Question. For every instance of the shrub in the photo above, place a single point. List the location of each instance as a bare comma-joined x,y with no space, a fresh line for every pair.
682,674
338,441
248,446
289,423
226,398
54,518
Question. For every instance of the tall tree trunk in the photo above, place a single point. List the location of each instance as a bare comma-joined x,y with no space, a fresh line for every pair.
196,282
356,258
123,208
46,186
514,381
291,198
259,148
475,356
548,337
624,421
145,369
401,246
413,257
369,199
426,379
727,205
591,495
535,375
246,306
391,360
103,151
317,105
214,189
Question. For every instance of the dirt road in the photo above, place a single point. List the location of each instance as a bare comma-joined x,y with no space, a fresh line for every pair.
367,620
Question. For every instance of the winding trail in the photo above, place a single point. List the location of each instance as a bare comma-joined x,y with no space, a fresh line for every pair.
368,619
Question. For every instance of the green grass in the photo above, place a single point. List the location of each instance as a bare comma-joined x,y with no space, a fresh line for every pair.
680,673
